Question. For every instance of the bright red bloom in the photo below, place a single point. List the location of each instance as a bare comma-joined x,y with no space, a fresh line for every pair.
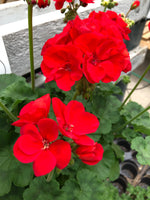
120,24
108,23
71,31
90,155
43,3
59,3
62,63
105,57
74,122
38,145
134,5
34,111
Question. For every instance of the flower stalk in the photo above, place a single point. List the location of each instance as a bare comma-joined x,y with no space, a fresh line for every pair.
11,116
30,29
145,72
50,175
128,122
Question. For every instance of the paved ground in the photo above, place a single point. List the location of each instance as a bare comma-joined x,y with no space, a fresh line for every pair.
142,93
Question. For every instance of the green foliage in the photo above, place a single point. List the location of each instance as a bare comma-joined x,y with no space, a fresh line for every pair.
41,190
106,109
14,194
142,146
12,171
142,123
136,193
129,134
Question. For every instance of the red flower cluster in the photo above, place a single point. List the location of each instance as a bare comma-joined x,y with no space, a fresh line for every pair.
92,47
40,3
39,142
134,5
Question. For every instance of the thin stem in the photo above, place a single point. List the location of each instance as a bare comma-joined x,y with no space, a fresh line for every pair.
128,122
145,72
105,9
30,10
127,13
75,95
50,175
11,116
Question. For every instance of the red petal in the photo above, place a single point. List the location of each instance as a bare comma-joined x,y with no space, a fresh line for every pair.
21,156
29,144
64,82
73,110
36,110
48,129
84,140
30,129
62,152
83,122
44,163
59,107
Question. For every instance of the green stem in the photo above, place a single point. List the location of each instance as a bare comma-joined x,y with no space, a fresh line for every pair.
75,95
145,72
105,9
50,175
11,116
30,10
127,13
128,122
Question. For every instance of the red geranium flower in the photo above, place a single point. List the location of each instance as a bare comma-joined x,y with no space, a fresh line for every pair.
34,111
105,57
134,5
90,155
62,63
108,23
74,122
59,3
119,23
43,3
38,145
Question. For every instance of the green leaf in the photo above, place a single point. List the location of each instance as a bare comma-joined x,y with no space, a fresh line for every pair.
22,175
106,109
114,171
40,189
105,125
129,134
5,182
70,190
7,159
142,146
118,151
142,123
8,79
19,90
15,194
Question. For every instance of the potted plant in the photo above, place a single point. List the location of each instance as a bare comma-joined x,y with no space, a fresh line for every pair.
57,141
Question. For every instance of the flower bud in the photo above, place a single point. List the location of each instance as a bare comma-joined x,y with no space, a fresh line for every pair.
134,5
43,3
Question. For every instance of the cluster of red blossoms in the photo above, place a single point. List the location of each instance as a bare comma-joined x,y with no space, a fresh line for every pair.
39,140
92,47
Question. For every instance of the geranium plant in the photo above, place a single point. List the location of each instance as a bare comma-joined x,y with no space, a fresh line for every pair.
66,150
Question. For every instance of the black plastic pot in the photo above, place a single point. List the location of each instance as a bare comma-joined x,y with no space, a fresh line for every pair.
120,184
129,169
136,34
145,181
124,145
